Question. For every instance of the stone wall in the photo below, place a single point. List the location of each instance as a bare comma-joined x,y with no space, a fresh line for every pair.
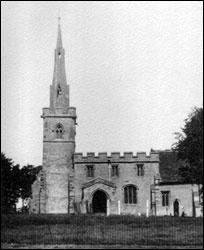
185,194
114,186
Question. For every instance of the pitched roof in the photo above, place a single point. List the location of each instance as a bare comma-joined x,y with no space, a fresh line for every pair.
169,167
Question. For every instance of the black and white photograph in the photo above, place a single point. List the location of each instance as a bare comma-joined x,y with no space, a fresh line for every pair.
102,125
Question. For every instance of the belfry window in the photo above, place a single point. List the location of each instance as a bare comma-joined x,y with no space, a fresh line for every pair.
59,90
130,194
59,131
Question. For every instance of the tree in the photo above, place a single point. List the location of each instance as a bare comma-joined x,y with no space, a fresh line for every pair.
10,185
28,175
190,147
16,183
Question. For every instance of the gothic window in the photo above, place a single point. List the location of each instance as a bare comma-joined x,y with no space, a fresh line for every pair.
165,198
90,171
59,90
140,170
130,194
59,131
115,171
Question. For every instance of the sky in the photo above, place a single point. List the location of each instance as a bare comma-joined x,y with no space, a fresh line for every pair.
135,70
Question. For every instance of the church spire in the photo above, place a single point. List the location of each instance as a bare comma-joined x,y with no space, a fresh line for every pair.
59,35
59,94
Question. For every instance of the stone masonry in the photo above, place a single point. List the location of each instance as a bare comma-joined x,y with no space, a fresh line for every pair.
113,186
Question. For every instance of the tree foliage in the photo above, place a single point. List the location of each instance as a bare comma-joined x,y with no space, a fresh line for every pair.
16,183
28,175
190,147
10,188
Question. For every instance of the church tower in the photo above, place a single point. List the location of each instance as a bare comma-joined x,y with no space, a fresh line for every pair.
59,122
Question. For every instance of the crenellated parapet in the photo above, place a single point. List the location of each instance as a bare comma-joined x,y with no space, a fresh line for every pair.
116,157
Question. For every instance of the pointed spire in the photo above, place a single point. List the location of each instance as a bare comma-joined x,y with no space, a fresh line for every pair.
59,36
59,95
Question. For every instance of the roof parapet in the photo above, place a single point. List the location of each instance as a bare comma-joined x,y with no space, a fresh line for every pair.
141,154
128,154
90,154
116,156
103,155
154,155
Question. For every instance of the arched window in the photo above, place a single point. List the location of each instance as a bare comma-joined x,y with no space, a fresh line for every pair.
130,194
59,131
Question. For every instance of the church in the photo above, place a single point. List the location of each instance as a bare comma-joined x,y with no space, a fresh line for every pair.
128,183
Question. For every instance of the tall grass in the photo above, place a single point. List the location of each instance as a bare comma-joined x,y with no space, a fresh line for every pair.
95,229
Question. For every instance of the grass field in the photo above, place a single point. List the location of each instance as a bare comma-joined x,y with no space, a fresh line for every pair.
92,229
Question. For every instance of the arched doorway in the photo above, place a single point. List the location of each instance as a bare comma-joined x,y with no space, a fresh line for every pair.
176,208
99,202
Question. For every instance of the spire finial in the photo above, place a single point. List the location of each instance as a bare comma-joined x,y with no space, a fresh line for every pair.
59,36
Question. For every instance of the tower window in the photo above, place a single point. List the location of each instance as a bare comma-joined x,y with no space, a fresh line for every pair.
59,131
59,55
130,194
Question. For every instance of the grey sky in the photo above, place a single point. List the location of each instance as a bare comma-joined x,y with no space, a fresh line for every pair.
134,70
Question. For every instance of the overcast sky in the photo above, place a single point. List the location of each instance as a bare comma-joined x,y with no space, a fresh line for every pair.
134,70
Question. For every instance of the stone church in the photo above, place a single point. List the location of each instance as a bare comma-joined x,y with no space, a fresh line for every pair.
71,182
